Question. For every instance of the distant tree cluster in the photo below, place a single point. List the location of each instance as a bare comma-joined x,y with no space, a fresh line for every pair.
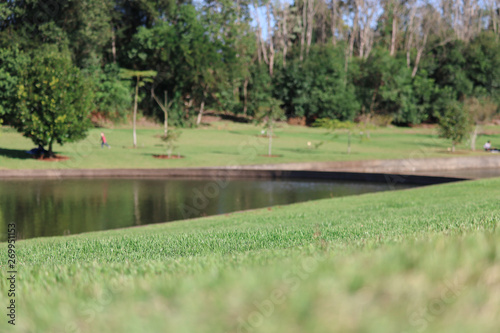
408,61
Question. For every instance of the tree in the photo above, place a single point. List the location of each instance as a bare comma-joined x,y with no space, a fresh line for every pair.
164,107
481,111
141,78
54,100
112,96
268,114
455,123
334,125
317,87
170,138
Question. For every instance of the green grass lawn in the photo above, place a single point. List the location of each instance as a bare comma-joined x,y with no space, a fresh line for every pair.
419,260
227,143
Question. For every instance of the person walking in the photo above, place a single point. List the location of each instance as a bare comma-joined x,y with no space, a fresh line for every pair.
103,141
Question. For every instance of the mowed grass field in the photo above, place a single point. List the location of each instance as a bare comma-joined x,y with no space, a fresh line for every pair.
227,143
419,260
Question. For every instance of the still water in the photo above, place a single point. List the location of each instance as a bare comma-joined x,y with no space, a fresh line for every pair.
62,207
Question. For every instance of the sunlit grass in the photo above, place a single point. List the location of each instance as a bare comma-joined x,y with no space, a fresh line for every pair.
420,260
226,143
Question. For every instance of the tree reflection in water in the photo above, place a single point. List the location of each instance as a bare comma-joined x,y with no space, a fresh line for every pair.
61,207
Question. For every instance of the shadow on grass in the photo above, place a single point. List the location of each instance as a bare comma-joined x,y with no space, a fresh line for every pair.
303,150
226,153
15,153
316,151
238,133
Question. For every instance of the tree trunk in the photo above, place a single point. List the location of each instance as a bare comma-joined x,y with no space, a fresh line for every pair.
349,142
165,112
408,60
259,55
259,35
354,29
367,11
245,96
285,34
346,64
473,138
164,108
493,16
453,146
169,150
374,98
188,107
51,152
323,28
393,37
202,106
334,21
303,31
113,45
419,53
200,114
362,35
417,61
270,135
269,34
410,31
135,112
310,18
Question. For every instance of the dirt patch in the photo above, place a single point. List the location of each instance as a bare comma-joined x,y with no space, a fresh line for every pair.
492,132
55,158
210,118
271,155
100,120
166,157
423,125
297,121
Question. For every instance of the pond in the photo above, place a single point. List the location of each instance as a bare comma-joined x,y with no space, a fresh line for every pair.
61,207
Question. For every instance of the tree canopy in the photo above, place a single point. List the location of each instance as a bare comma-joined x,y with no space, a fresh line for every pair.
337,59
53,100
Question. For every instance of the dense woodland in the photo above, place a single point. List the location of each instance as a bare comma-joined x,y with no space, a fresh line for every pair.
389,60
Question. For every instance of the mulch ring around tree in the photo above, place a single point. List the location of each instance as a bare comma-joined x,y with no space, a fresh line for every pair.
266,155
55,158
166,157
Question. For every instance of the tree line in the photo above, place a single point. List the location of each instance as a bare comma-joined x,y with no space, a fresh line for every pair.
400,61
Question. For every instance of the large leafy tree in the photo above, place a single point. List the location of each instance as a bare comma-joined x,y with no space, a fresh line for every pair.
318,86
202,55
53,100
483,65
112,93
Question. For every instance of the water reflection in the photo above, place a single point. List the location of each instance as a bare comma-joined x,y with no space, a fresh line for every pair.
60,207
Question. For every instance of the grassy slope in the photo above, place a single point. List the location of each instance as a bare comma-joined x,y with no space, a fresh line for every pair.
420,260
224,143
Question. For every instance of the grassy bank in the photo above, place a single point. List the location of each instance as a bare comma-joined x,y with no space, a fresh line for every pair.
226,143
420,260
